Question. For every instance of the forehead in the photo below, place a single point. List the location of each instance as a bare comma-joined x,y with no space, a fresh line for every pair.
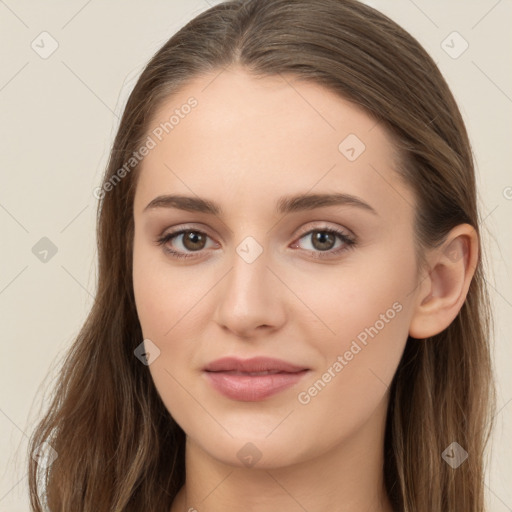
246,140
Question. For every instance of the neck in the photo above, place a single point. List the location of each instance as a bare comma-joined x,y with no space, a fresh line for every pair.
348,478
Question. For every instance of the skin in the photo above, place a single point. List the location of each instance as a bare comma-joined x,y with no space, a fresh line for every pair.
248,142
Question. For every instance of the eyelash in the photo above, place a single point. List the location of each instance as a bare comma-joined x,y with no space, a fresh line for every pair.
348,241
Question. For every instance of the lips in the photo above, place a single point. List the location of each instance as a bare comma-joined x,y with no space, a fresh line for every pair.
250,380
254,365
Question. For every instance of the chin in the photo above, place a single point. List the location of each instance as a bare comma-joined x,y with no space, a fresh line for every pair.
258,451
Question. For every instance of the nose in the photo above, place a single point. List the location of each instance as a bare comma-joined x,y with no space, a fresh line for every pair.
251,298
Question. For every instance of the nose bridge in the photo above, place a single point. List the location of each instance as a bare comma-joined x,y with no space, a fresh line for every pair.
250,296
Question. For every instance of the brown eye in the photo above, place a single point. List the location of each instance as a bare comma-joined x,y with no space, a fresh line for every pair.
183,243
323,240
193,240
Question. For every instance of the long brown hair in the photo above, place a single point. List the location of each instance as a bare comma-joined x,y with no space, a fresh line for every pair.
118,447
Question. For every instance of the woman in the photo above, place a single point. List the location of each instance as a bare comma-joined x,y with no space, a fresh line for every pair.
291,310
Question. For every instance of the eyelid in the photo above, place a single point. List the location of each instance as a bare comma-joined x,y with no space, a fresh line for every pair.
324,225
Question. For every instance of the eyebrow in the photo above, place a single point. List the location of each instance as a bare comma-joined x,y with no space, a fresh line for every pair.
286,204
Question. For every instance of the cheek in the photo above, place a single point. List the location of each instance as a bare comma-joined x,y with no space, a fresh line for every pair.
370,327
148,284
170,308
365,313
165,296
162,299
365,291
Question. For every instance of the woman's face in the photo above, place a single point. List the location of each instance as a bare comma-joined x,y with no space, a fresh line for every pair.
266,275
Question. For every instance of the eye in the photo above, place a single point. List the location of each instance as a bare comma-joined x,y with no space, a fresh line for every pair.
191,239
323,241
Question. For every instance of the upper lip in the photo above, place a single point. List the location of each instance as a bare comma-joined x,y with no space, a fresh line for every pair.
255,364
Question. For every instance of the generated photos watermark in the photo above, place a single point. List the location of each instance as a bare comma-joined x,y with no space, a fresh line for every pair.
152,140
357,345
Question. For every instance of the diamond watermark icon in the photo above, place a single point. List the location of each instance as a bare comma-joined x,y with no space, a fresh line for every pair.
454,45
44,45
147,352
249,249
454,252
351,147
44,250
454,455
249,454
44,455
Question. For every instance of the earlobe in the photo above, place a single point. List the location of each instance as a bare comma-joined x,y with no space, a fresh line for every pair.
443,291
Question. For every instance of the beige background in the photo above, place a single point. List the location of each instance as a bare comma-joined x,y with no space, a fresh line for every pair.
58,116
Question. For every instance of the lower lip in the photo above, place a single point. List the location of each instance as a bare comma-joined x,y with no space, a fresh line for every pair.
247,388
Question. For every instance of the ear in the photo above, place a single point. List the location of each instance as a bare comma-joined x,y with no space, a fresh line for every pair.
441,294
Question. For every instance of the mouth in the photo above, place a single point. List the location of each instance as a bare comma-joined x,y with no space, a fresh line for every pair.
235,372
251,380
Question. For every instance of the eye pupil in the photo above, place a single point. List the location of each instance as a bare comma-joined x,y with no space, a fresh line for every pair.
321,237
193,237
